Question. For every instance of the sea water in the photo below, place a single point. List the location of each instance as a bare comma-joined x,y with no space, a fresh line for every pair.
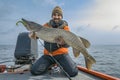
107,57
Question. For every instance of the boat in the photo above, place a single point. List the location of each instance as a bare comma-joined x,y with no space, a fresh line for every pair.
26,54
23,73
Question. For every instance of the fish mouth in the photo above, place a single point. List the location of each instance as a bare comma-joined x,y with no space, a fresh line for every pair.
23,21
27,24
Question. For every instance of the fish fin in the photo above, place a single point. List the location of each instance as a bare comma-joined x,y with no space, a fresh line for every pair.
59,40
89,61
85,42
76,52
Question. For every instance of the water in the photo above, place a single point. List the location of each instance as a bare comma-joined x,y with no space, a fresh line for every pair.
107,57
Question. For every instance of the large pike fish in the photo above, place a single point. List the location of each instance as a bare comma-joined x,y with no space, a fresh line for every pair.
60,36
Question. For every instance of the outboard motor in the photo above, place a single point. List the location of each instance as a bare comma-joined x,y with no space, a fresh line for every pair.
26,50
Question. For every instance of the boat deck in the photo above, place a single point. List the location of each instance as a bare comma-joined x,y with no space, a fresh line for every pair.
48,76
84,74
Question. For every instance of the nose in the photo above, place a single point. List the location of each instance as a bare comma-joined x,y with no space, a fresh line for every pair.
56,16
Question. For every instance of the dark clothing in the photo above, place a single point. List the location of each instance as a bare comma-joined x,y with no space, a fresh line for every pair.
44,62
58,25
54,46
42,65
51,46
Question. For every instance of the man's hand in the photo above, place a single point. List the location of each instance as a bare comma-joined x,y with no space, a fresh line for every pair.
32,35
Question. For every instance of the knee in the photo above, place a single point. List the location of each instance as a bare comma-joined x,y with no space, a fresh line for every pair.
36,70
73,73
33,71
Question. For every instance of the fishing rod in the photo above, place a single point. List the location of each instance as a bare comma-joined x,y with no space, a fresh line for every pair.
57,63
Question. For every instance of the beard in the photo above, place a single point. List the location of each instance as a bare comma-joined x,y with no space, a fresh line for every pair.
57,20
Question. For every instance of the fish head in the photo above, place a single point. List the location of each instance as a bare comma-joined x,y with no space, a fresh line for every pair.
29,25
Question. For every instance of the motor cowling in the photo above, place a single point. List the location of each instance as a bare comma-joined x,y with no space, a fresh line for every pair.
26,49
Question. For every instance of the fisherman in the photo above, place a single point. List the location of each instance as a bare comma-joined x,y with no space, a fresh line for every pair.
59,52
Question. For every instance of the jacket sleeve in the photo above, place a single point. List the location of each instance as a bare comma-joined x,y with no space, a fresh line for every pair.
66,28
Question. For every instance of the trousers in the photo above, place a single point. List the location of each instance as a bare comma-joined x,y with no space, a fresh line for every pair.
41,65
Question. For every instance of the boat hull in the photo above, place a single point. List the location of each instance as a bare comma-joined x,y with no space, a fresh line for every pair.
83,74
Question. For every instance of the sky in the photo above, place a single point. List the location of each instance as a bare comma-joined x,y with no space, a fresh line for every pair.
96,20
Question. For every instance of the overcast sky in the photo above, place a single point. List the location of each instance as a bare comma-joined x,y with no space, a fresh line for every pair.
96,20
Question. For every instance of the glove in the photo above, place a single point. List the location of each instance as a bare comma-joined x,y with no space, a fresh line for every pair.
32,35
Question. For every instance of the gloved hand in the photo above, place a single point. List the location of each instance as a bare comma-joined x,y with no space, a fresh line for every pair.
32,35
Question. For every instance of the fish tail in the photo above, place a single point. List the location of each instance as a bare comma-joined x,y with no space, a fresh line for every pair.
89,61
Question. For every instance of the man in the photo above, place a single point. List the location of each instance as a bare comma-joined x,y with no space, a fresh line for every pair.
59,52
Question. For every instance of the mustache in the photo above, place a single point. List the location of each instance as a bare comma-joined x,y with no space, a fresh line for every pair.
56,19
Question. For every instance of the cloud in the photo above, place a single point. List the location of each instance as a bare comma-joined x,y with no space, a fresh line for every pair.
8,18
51,2
5,11
95,21
103,15
48,2
97,36
117,27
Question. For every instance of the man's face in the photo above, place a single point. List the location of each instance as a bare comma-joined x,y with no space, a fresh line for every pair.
56,17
